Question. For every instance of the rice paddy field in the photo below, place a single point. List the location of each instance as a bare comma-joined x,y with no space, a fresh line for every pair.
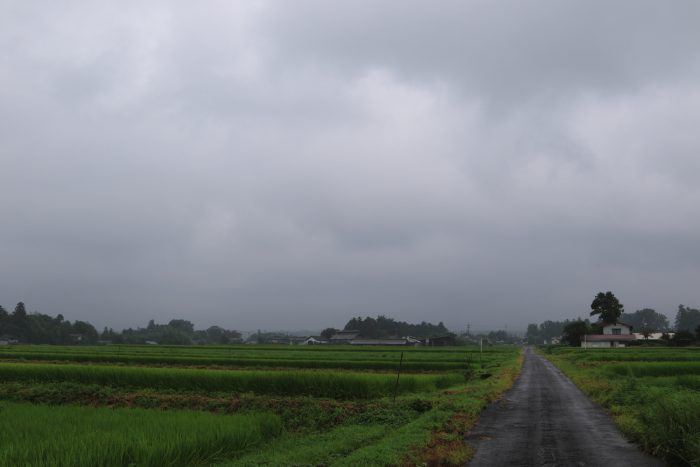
245,405
653,394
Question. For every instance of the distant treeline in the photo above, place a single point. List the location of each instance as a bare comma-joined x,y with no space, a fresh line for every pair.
645,321
382,327
38,328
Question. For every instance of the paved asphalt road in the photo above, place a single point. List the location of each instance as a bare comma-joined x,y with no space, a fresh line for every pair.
545,420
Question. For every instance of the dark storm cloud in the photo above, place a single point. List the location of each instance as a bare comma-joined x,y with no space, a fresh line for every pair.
293,164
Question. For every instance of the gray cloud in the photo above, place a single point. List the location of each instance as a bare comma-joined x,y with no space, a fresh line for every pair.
290,165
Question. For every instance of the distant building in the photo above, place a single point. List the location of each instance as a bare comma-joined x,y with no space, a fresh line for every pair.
653,336
344,337
75,337
439,341
315,340
380,342
413,340
614,335
8,340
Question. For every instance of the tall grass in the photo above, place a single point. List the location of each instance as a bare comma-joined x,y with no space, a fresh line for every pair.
672,428
339,385
688,382
79,436
652,392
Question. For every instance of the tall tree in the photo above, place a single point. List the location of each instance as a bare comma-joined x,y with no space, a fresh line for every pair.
646,319
574,332
607,306
687,319
533,334
20,313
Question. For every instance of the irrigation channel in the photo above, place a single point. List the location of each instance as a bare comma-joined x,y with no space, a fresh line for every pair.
545,420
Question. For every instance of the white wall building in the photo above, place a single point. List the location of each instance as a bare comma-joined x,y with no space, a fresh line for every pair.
614,335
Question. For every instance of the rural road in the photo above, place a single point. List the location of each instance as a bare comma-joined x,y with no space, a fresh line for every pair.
545,420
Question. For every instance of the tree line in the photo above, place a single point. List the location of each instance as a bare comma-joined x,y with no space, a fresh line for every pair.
382,327
607,308
39,328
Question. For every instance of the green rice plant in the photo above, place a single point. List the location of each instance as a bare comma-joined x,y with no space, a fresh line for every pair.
317,449
237,361
79,436
688,382
339,385
330,357
655,369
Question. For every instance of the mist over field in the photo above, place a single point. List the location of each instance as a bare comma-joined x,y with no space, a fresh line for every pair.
291,165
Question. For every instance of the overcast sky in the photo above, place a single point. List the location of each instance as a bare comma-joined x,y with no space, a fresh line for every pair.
292,164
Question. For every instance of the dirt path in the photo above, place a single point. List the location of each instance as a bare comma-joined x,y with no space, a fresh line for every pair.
545,420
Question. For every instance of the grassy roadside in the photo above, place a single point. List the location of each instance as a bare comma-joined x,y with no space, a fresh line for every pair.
447,445
383,438
659,413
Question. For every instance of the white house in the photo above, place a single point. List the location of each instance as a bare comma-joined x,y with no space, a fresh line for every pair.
614,335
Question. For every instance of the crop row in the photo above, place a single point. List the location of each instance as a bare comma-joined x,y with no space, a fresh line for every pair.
633,355
654,369
295,352
236,357
81,436
338,385
248,362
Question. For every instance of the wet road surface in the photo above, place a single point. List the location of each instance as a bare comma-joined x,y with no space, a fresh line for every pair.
545,420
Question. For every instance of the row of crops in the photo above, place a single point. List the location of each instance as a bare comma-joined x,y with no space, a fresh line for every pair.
239,405
338,385
653,393
419,359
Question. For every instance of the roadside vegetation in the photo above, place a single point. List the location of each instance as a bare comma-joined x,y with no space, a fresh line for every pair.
653,393
214,405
